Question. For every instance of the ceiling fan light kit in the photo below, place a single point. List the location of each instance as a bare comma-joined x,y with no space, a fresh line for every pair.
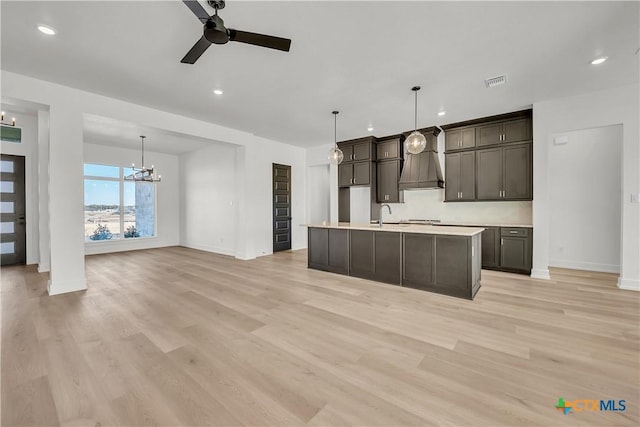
215,32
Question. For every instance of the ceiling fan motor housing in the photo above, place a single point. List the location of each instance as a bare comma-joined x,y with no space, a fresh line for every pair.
215,31
216,4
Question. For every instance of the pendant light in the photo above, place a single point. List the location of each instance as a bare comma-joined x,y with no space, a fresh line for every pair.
335,154
416,142
144,173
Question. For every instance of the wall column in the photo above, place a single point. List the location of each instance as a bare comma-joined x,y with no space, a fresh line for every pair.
44,262
66,200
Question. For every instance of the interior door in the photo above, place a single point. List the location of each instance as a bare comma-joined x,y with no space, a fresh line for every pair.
281,207
12,211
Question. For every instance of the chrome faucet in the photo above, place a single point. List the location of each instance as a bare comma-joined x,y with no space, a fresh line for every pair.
382,206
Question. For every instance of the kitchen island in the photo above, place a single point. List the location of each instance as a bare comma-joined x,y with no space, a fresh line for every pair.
441,259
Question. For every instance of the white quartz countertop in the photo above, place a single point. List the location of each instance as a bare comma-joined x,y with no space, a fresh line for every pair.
405,228
486,224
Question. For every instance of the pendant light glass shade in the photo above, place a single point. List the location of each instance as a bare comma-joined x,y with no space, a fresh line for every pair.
416,142
336,156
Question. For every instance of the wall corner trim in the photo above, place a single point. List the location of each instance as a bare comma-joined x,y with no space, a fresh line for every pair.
540,274
629,284
58,288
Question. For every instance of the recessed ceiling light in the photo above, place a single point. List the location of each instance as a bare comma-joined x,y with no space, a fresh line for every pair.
47,30
370,128
217,91
442,113
599,61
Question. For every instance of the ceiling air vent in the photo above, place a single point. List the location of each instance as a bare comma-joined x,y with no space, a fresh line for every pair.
495,81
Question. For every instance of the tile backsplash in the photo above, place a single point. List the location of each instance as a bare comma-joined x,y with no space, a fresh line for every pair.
429,204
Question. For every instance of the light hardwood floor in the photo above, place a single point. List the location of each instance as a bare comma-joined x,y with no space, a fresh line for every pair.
175,336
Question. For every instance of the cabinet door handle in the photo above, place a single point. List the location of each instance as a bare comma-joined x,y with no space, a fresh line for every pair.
513,232
501,242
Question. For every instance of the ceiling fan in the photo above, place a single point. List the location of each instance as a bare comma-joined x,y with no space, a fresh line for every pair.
216,32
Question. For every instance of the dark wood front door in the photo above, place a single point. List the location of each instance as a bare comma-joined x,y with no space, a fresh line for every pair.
12,211
281,207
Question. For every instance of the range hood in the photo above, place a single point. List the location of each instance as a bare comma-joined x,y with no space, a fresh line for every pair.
423,171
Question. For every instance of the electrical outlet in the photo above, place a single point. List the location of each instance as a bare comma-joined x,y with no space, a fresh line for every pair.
635,197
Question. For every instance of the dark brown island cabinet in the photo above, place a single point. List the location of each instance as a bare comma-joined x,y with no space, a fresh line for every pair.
442,261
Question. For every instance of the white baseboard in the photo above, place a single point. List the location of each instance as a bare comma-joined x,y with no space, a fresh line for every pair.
629,284
587,266
44,268
538,273
64,287
208,248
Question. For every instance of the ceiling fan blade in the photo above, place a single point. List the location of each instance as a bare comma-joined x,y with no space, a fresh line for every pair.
271,42
197,10
196,51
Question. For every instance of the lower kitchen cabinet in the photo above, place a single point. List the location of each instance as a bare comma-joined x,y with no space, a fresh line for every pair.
515,249
375,255
418,270
329,250
507,249
387,251
361,254
433,263
491,247
441,263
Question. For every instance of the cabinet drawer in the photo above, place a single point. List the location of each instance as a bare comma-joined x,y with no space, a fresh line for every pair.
515,232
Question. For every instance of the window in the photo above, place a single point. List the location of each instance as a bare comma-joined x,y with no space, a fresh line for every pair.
115,208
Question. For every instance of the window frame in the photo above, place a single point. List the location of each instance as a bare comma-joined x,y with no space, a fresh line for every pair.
121,182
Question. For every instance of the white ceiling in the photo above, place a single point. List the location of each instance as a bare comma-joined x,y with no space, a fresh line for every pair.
358,57
118,133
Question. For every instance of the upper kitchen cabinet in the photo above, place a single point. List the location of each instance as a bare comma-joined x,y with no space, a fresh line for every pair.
388,177
389,149
351,174
356,168
504,173
357,150
504,132
486,131
460,176
458,139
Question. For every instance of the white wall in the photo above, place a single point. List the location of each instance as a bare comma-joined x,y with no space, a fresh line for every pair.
318,194
320,156
585,199
29,149
67,105
597,109
167,193
255,206
208,199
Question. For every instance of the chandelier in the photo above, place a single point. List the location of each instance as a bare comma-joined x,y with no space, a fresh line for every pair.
144,173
